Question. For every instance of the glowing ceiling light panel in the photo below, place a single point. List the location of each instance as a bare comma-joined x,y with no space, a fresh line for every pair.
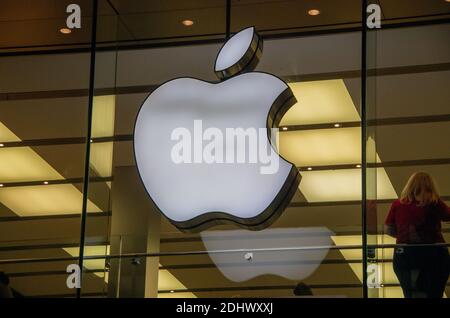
168,282
21,164
103,117
342,185
321,102
197,195
321,147
40,200
92,264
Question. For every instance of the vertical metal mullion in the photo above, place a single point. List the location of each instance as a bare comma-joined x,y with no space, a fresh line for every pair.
88,140
363,145
228,20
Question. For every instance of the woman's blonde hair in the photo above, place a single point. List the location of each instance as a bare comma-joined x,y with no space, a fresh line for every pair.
417,184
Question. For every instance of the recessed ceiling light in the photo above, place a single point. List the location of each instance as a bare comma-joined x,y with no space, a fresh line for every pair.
358,166
45,182
172,291
187,22
285,128
337,125
1,185
309,168
2,145
65,30
313,12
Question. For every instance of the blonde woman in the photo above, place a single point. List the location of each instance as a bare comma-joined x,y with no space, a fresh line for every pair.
414,219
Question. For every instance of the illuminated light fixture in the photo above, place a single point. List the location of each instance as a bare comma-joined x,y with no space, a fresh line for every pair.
187,22
320,102
65,30
103,116
168,282
92,264
189,195
342,185
309,168
285,128
2,145
321,147
1,185
313,12
45,182
337,125
23,164
103,113
53,199
358,166
328,102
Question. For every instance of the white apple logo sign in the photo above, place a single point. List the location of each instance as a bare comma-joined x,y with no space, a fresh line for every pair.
195,196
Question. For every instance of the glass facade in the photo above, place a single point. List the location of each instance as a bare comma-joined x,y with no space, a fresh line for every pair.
373,108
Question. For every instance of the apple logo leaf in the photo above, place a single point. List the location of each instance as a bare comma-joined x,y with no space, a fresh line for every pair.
240,53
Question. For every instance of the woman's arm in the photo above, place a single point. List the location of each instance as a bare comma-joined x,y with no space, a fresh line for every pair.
389,223
390,230
445,211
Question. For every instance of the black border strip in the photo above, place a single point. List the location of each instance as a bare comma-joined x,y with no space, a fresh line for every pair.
218,289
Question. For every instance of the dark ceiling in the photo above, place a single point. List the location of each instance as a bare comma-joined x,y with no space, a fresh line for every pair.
36,24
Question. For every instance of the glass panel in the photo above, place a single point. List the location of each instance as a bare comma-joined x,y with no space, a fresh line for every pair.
407,112
43,110
97,225
316,245
374,176
279,259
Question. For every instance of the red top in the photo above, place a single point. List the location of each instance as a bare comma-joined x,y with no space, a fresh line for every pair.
418,224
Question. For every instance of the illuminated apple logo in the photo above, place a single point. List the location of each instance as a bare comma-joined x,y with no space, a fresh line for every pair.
192,166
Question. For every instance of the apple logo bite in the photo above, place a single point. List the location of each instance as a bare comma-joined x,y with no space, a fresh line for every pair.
206,152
